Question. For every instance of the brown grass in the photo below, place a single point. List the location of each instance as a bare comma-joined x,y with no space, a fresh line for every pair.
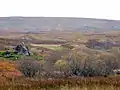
54,83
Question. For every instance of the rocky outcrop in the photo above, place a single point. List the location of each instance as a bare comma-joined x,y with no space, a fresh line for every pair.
22,49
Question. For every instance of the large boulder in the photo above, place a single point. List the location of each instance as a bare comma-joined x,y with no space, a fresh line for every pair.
22,49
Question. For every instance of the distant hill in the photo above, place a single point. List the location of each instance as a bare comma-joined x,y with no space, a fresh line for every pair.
36,24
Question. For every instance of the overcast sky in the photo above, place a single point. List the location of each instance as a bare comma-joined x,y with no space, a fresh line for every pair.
106,9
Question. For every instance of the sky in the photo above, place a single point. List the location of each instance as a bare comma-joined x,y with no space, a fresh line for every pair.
102,9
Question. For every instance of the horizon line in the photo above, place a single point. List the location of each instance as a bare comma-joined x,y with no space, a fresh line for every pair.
58,17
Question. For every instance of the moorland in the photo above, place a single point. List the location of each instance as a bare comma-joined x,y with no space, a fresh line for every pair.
60,59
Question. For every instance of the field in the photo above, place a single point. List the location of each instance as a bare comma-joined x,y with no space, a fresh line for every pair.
60,61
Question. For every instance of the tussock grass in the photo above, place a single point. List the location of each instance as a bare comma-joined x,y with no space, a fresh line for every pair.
33,84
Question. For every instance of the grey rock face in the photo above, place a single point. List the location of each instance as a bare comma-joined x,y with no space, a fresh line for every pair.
22,49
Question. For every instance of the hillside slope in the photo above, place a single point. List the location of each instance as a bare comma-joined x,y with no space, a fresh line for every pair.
53,23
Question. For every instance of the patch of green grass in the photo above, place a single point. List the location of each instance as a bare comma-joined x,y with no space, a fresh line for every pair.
37,57
12,56
52,47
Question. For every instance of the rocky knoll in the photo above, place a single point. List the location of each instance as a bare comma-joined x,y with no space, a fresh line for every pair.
22,49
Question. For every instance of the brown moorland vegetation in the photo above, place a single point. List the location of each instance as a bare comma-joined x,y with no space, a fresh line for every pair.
79,65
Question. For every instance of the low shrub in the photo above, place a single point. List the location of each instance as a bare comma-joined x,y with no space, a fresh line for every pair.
62,66
82,64
29,67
